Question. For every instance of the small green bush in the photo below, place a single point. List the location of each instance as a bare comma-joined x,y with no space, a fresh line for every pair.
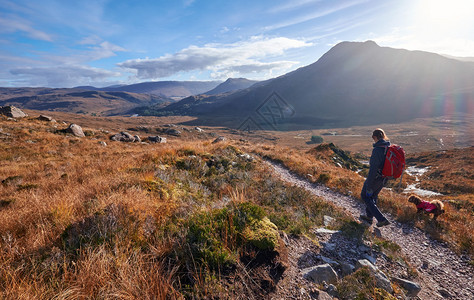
316,139
215,237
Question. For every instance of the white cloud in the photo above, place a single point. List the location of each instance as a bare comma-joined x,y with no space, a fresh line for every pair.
15,24
62,76
217,57
292,5
315,14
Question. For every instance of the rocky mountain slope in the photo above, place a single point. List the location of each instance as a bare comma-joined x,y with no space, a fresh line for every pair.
77,100
352,84
170,89
231,85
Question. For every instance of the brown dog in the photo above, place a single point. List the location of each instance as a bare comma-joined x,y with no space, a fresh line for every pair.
434,207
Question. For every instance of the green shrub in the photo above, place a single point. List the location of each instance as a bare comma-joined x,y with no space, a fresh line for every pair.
316,139
215,237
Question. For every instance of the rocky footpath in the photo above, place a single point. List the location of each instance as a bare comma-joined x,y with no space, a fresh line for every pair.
435,268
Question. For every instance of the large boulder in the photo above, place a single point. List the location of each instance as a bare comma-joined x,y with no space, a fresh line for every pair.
172,131
156,139
123,137
321,273
219,139
381,279
12,112
412,288
46,118
75,130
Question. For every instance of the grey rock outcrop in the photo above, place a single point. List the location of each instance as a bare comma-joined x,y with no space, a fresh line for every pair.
381,279
219,139
46,118
321,273
412,288
12,112
75,130
172,131
156,139
123,137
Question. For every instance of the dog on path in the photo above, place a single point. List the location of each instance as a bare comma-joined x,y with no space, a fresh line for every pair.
434,207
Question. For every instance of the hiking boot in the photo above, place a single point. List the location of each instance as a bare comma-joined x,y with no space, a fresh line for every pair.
383,223
366,219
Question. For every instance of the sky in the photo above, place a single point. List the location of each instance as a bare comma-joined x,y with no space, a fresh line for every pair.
67,43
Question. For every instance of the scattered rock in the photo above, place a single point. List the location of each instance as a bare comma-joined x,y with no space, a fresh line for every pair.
329,261
12,112
219,139
372,259
332,290
123,137
246,156
365,263
320,273
75,129
381,280
137,138
330,247
102,143
172,131
347,269
444,293
46,118
327,231
156,139
412,288
198,129
322,295
328,220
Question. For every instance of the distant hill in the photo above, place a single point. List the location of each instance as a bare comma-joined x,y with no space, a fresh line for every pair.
231,85
170,89
354,83
77,100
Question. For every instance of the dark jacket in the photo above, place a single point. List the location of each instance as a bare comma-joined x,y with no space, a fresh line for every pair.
376,163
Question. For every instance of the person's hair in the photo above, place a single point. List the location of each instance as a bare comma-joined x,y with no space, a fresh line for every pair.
379,134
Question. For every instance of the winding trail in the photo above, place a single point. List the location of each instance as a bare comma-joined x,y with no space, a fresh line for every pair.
441,272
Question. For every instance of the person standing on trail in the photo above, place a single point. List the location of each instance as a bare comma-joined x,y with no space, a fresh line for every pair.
375,182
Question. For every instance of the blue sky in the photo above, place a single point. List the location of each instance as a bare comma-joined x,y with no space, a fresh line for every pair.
66,43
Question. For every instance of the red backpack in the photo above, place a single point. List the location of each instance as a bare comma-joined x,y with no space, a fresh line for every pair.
394,161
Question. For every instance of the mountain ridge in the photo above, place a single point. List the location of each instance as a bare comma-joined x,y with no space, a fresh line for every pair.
353,83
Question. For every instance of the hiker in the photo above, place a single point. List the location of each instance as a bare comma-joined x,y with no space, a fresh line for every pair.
375,182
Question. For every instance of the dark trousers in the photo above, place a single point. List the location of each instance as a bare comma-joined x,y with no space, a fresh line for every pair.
371,208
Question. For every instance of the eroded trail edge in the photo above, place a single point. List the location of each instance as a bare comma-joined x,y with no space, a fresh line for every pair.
442,273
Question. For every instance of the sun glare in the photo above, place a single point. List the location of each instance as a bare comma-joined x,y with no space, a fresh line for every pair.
445,16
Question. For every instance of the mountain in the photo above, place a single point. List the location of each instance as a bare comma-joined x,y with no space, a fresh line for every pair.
169,89
231,85
354,83
77,100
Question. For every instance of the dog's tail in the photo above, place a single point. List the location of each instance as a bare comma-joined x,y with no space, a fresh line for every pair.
439,205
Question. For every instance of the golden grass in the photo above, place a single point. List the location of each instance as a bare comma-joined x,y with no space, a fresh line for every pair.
79,220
